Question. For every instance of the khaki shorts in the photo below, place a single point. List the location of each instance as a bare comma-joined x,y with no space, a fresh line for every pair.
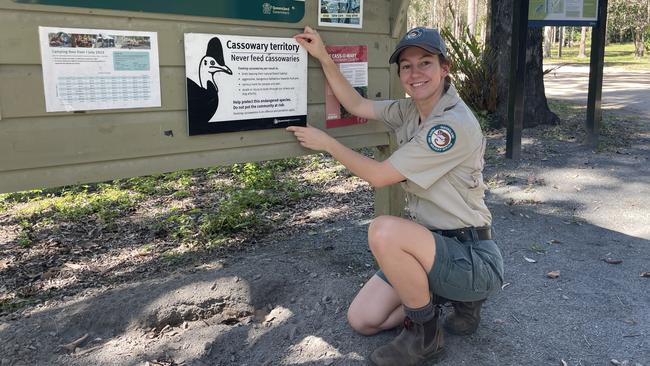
464,271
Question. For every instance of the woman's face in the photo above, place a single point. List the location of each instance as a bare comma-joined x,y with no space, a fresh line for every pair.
421,74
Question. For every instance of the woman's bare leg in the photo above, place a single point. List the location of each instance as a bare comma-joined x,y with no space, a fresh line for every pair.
375,308
405,252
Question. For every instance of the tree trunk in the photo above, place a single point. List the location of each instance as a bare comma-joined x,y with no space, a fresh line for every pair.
638,43
457,21
583,43
548,33
553,36
486,26
472,15
536,109
434,10
561,43
570,43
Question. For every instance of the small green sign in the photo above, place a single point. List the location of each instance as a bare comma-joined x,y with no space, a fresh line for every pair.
288,11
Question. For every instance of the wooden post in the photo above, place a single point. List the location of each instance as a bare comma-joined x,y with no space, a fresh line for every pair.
517,78
594,99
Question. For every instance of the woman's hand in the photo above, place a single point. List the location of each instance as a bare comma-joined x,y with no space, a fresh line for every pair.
311,137
311,41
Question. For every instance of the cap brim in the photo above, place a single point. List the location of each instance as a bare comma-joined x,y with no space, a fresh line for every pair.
394,58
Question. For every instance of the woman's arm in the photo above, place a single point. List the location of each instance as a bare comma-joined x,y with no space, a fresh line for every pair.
344,92
378,174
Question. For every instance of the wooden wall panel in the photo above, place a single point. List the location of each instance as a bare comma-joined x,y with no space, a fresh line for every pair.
39,149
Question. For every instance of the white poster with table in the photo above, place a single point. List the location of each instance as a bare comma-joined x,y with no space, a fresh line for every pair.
93,69
238,83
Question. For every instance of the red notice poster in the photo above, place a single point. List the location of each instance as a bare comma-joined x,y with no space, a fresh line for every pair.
353,63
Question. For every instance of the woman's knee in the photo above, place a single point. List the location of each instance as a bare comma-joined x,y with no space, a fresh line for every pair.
360,323
380,233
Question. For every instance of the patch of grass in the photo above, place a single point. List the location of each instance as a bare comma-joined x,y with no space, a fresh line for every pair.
9,305
25,240
145,249
172,257
106,203
616,54
243,204
181,225
181,194
167,183
4,205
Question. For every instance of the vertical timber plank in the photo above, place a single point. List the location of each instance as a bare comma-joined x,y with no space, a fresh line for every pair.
390,200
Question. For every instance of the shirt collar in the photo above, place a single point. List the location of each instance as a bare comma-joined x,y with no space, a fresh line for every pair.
448,100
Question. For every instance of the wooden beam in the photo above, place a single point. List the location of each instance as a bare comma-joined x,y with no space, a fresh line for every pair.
399,10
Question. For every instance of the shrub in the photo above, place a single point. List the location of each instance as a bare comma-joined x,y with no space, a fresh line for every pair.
473,71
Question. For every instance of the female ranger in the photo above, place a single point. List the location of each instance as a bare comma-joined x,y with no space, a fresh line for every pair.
446,250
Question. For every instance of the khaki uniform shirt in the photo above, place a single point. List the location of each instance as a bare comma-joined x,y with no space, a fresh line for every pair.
442,160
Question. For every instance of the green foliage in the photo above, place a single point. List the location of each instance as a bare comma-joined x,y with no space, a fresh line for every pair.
168,183
646,38
242,205
419,12
25,240
107,203
473,71
616,54
12,304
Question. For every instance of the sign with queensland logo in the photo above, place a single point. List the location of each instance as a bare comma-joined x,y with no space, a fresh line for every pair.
289,11
237,83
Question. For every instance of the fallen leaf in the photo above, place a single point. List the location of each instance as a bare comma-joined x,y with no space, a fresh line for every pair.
530,260
553,274
563,362
499,321
613,261
645,274
554,241
505,285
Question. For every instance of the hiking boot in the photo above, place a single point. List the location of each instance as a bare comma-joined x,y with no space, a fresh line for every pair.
465,319
417,344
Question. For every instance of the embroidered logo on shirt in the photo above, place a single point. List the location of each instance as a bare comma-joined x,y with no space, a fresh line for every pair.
441,138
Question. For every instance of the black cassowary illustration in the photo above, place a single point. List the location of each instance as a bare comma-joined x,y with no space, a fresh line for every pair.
203,98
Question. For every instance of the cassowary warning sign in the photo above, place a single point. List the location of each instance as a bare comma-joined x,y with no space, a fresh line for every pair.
244,83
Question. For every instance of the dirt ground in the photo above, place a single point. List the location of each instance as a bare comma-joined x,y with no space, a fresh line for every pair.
282,299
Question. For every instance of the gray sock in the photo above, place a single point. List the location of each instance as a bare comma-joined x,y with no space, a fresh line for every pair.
421,315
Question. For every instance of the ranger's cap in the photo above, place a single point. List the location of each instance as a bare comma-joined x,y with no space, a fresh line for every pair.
426,38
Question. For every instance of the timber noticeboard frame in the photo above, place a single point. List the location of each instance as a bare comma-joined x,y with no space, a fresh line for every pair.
290,11
537,13
41,149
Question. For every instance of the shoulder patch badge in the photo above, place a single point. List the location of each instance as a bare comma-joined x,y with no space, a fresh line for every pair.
441,138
